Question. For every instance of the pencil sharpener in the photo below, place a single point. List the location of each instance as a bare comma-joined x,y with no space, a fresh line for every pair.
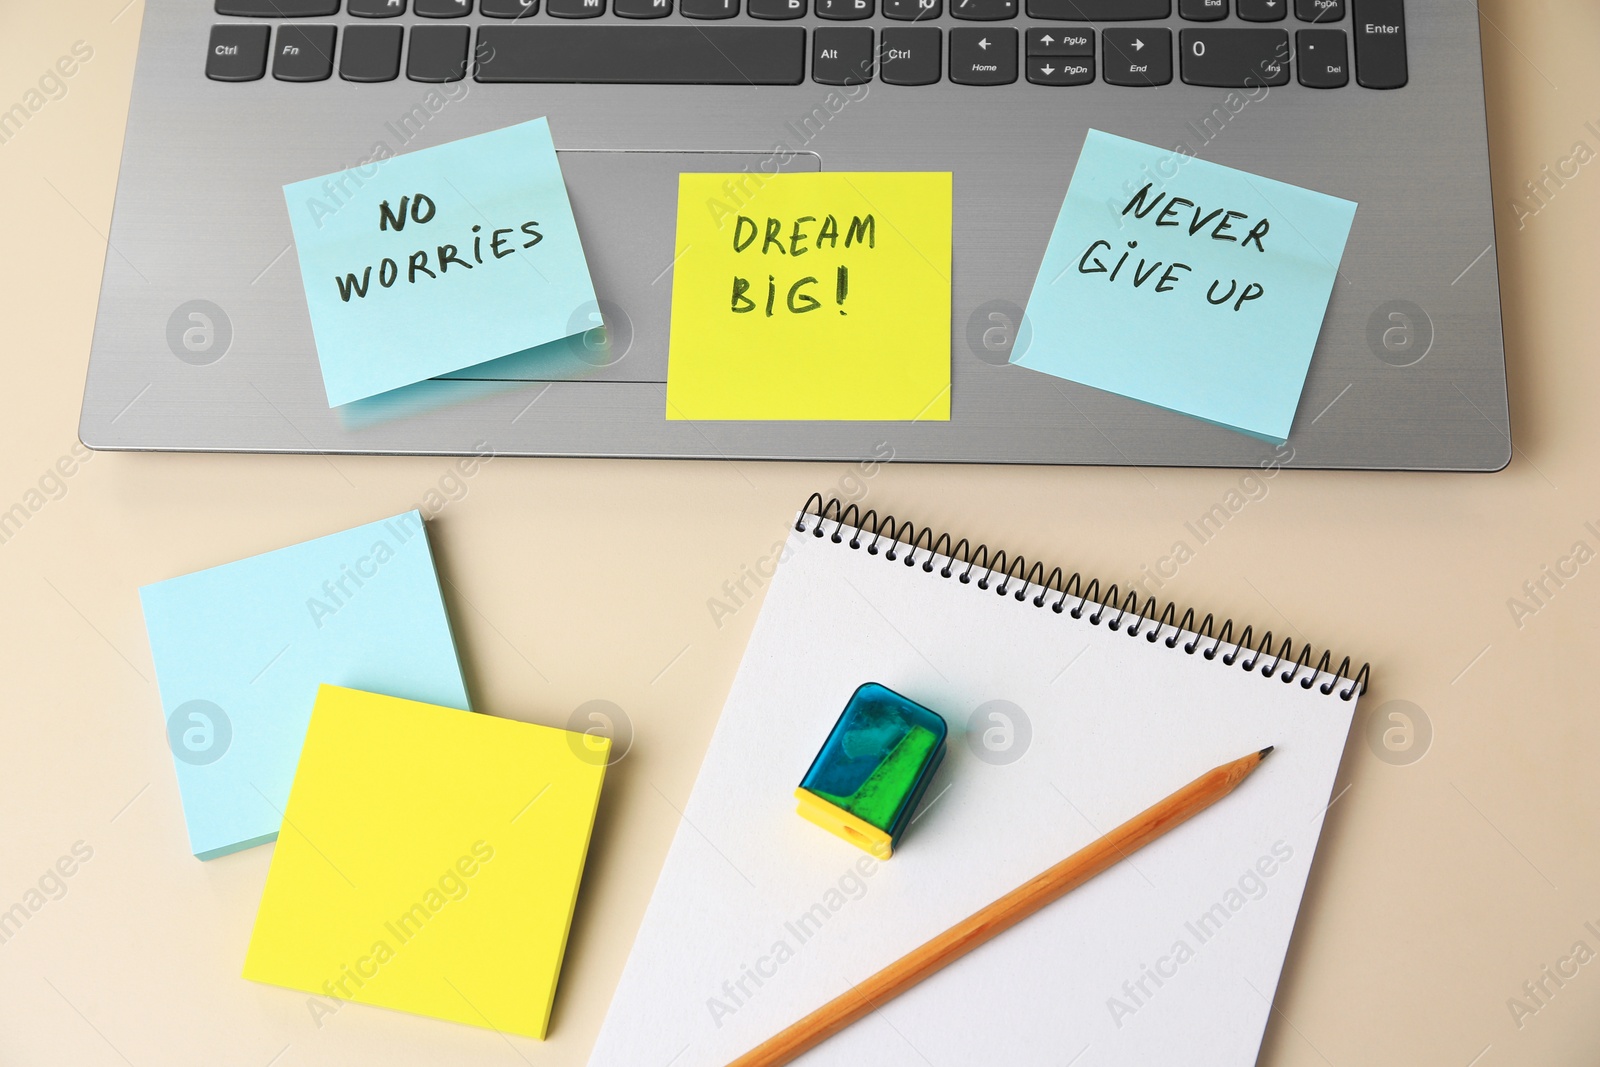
865,784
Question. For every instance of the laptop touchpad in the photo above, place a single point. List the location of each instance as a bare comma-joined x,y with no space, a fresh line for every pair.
626,205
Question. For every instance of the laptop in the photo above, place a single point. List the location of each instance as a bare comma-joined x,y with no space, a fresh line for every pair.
203,340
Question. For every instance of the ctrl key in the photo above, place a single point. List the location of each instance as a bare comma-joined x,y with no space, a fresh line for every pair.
237,53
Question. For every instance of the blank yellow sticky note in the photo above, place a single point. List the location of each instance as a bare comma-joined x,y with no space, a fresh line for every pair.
428,862
811,296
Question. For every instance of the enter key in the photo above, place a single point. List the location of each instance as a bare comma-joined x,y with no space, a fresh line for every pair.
1380,29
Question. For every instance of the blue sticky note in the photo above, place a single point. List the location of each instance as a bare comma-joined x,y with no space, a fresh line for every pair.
1186,284
240,650
420,264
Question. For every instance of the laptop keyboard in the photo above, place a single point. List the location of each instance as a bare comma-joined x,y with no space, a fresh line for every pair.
745,42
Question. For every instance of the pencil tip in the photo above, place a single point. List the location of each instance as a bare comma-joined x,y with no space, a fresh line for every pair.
1264,753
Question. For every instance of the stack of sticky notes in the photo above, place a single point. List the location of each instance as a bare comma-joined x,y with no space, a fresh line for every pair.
428,858
429,862
240,650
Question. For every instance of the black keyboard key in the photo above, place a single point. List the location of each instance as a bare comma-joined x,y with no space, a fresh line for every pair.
774,10
708,9
1061,70
1203,10
1234,58
983,57
983,10
1099,10
841,55
237,53
441,9
303,54
1262,10
1139,57
1051,41
912,10
641,9
575,9
910,55
1380,28
844,10
375,9
1319,10
278,9
643,55
438,53
371,54
508,9
1323,59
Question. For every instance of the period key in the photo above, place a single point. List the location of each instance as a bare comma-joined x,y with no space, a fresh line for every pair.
1323,59
912,10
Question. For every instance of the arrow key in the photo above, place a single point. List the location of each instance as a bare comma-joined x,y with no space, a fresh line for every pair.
1140,57
983,56
1207,10
1262,10
1061,70
1056,41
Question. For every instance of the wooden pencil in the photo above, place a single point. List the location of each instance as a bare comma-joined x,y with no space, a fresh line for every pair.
1004,913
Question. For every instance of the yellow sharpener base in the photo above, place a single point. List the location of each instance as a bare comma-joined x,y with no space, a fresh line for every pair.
841,823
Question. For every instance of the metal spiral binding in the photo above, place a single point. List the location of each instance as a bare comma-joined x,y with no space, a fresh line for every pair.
1147,617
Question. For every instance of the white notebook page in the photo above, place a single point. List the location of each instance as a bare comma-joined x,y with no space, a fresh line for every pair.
760,917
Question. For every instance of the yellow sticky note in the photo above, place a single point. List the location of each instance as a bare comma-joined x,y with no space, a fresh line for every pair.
428,862
811,296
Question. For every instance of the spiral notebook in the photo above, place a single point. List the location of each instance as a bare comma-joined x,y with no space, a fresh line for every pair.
1071,709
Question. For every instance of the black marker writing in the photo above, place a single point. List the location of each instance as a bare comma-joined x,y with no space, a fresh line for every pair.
419,209
1176,211
773,237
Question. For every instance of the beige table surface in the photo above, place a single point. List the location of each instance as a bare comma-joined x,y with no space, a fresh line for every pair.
1449,875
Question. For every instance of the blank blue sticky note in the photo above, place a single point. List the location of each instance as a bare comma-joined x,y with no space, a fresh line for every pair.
425,263
240,650
1186,284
